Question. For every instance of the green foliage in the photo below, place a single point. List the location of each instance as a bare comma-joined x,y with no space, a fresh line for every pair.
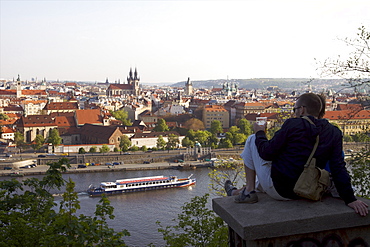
361,137
196,226
124,143
233,171
144,148
216,127
92,150
347,138
81,151
186,142
161,143
115,149
203,137
19,139
359,170
54,138
38,142
28,218
173,141
134,148
104,148
271,132
235,136
245,127
3,116
122,116
161,126
225,143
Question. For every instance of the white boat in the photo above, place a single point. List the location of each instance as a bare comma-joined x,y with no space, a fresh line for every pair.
140,184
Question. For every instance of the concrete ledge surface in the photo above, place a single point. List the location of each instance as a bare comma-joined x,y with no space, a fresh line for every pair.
270,218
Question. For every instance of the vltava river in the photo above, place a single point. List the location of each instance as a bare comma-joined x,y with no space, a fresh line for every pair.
138,212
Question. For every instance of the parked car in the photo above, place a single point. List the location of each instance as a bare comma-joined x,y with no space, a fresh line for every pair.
116,163
51,154
41,156
81,166
108,164
7,168
25,167
8,155
146,162
126,153
149,151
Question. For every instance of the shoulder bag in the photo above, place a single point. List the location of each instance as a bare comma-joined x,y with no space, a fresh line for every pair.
313,181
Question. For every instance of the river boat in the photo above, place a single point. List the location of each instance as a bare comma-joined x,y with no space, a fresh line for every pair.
140,184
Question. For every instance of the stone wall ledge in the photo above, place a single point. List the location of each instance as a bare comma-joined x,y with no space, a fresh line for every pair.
273,219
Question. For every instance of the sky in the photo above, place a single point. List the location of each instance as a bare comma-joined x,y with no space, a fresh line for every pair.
169,41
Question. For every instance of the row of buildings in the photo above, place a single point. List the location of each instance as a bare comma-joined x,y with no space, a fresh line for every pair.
81,111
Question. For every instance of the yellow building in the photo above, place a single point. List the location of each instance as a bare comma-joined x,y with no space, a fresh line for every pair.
350,122
215,112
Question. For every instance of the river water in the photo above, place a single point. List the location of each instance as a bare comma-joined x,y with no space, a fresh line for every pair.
138,212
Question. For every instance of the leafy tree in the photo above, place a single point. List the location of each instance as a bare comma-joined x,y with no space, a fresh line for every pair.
359,171
28,216
245,127
225,143
216,127
144,148
161,143
81,151
361,137
233,171
3,116
115,149
173,140
186,142
271,131
356,68
196,226
122,116
38,142
235,136
54,138
134,148
194,124
191,135
104,148
92,149
19,140
124,141
203,137
347,138
161,126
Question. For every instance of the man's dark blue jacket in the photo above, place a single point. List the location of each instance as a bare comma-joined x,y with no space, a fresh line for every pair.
290,148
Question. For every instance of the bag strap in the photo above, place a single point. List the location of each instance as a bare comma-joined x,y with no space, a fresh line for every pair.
314,147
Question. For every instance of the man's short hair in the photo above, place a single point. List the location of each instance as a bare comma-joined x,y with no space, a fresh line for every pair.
314,104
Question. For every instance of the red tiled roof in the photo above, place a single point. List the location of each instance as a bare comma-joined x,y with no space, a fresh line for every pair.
64,121
214,108
92,116
34,92
36,120
61,106
347,114
120,86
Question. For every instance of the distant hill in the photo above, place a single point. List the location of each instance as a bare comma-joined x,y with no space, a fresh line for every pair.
263,83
